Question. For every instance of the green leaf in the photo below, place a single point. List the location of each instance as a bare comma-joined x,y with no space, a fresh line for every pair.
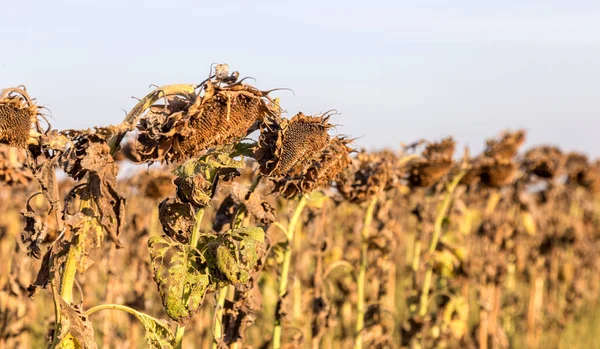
238,253
158,333
182,279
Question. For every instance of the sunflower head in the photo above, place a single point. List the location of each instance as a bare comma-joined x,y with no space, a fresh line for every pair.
317,174
496,167
222,112
435,163
18,118
369,175
583,173
299,155
495,172
544,161
506,147
286,145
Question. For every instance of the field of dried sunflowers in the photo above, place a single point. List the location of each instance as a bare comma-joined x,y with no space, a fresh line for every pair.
296,239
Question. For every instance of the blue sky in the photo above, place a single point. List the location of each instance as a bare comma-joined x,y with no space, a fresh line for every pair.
397,71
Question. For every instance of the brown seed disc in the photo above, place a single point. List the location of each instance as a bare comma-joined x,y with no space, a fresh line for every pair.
15,122
302,141
221,120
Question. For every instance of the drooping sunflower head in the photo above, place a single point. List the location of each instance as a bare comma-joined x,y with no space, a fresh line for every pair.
317,174
369,175
506,147
435,163
223,111
580,171
440,150
299,155
287,145
495,172
544,161
19,123
496,167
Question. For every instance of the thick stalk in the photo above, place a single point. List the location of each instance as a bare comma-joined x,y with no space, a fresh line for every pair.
437,233
68,274
70,267
285,269
360,304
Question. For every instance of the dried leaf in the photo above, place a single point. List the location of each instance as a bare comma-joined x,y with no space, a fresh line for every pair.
76,329
177,219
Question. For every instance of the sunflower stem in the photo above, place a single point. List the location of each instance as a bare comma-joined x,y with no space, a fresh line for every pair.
179,336
364,246
196,229
285,269
437,232
218,319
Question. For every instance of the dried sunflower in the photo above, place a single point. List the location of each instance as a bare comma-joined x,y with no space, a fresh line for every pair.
435,164
19,122
299,155
506,147
544,161
581,172
320,173
495,172
496,167
285,145
369,175
443,149
186,125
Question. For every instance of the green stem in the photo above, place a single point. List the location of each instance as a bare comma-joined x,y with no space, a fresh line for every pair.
179,336
437,233
196,229
57,314
285,269
218,321
69,271
360,304
142,318
194,244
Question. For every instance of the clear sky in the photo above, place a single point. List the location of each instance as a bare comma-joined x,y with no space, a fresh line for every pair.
397,71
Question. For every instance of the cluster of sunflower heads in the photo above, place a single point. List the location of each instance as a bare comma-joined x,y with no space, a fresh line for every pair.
223,111
299,155
496,167
435,163
369,175
19,124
